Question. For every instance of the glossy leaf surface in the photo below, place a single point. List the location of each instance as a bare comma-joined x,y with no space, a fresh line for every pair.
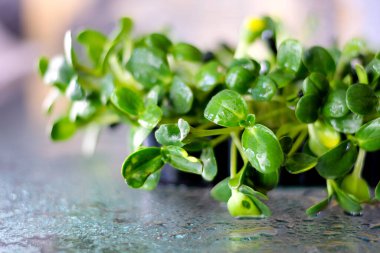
186,52
300,162
239,79
262,148
140,165
318,59
349,123
264,89
149,67
317,208
181,96
289,55
227,108
210,168
361,99
209,75
307,108
368,136
127,101
173,134
335,105
338,161
179,159
357,187
221,191
315,84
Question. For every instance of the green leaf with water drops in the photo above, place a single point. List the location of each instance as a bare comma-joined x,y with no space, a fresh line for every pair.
348,124
221,191
227,108
140,165
262,148
127,101
210,168
317,208
368,136
179,159
173,134
338,161
335,105
210,75
149,66
300,162
239,79
62,129
357,187
186,52
318,59
151,116
289,55
361,99
181,96
263,89
307,108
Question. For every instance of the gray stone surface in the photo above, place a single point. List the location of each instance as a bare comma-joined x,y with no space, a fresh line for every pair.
54,200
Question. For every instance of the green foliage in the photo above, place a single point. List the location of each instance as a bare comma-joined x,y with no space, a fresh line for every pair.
298,109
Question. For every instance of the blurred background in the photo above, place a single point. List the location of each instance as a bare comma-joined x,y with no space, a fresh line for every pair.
30,28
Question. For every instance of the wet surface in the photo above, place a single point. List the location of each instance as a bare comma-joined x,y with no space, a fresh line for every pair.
54,200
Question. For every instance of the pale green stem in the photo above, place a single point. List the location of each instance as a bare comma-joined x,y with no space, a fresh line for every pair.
90,139
233,161
219,139
236,141
297,144
359,164
203,133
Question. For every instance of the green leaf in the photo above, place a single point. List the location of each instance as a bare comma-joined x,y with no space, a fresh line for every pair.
137,136
307,108
210,168
249,191
300,162
338,161
127,101
353,48
186,52
318,59
315,209
75,91
227,108
221,191
322,137
373,70
281,77
123,30
264,89
62,129
58,73
335,105
361,99
264,182
152,181
289,55
43,64
368,136
179,159
160,41
149,66
173,134
357,187
346,202
248,64
151,116
239,79
94,42
348,124
181,96
140,165
377,191
262,148
210,75
315,84
241,205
